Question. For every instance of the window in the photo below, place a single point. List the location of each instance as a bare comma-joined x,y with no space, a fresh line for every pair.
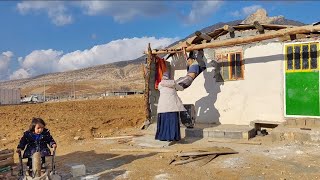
301,57
231,66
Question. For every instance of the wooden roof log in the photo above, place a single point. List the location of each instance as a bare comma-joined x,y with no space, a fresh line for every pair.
257,38
204,36
220,31
258,26
228,28
250,39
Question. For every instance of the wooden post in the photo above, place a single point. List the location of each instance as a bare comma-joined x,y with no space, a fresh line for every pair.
258,26
147,89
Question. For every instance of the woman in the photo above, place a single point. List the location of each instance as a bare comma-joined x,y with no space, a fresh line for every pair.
169,106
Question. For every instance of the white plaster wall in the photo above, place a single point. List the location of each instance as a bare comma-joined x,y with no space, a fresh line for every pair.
258,97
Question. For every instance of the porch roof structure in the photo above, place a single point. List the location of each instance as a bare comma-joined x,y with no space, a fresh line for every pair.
209,40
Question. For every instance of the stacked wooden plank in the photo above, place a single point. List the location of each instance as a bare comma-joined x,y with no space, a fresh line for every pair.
205,155
6,160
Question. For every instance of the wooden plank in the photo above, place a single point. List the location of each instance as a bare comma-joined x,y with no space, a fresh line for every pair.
113,138
144,150
6,151
205,153
5,156
6,162
208,159
180,162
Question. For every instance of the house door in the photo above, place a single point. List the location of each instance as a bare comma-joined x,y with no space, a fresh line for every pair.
302,79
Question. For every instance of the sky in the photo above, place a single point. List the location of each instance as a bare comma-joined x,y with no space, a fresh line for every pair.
39,37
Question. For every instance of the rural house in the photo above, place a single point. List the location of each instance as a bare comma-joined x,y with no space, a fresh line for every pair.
256,71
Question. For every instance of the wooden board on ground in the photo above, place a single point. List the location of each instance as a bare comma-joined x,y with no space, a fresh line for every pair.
191,159
6,151
208,151
5,156
114,138
6,162
204,154
145,150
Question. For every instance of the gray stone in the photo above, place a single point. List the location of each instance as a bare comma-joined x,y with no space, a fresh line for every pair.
78,170
216,134
195,132
233,135
291,122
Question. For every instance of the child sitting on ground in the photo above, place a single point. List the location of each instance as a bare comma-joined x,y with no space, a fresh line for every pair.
36,139
195,65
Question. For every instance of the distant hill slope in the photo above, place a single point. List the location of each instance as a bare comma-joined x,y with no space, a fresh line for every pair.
127,73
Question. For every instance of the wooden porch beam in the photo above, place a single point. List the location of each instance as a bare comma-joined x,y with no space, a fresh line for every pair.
249,39
257,38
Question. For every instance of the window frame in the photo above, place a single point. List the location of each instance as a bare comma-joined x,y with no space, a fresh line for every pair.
301,44
229,67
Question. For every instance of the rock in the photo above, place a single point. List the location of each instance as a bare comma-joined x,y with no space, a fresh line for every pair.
77,138
78,170
262,17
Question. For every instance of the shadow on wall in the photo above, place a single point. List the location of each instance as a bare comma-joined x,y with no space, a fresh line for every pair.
178,62
205,107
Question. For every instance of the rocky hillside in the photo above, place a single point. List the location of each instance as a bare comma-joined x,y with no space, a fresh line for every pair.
125,74
118,76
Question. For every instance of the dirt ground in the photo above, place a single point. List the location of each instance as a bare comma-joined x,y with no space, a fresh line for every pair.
116,116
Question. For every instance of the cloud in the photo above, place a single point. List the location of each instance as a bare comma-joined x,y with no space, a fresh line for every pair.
202,9
118,50
56,10
246,11
19,74
48,61
38,62
123,11
5,59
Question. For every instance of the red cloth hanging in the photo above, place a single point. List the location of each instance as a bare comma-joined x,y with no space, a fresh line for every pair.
160,69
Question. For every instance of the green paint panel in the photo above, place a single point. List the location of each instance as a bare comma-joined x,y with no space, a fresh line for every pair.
302,93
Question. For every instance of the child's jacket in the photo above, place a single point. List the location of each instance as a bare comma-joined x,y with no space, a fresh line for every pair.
34,145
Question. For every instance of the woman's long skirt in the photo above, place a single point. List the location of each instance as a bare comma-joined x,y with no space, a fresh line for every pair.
168,127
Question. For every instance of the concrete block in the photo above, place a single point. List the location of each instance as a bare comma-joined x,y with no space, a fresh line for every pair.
195,133
233,135
317,123
78,170
216,134
246,135
291,122
301,122
310,122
